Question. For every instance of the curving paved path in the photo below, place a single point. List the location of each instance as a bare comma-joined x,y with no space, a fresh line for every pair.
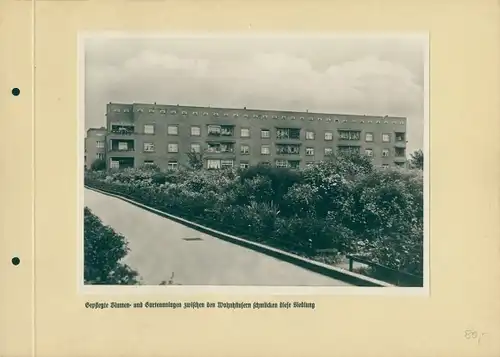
158,248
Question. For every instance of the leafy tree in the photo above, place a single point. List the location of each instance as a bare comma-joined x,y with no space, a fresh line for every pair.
195,160
98,165
417,160
103,251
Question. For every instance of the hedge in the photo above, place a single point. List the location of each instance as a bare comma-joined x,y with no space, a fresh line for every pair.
342,206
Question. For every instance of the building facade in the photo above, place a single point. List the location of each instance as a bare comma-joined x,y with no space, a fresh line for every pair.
95,145
165,135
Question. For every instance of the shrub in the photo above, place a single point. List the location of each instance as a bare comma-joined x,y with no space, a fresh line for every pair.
103,251
98,165
342,205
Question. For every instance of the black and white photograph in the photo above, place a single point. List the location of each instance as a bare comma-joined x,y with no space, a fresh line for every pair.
254,160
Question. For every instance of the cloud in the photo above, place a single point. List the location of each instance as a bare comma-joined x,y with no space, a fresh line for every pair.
270,79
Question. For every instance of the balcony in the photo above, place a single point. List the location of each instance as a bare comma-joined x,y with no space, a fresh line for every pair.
220,148
122,129
349,150
352,135
287,133
221,130
283,149
399,152
117,145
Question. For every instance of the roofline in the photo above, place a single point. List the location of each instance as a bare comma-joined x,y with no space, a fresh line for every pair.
258,110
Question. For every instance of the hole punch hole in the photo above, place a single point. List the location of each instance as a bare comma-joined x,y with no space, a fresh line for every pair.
16,92
16,261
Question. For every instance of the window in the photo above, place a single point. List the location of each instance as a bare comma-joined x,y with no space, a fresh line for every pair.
309,135
195,114
215,114
100,156
385,153
162,111
309,163
126,110
281,163
122,146
235,115
174,147
149,162
385,166
195,148
287,133
172,165
151,110
195,131
287,149
173,112
213,164
400,137
245,133
265,134
244,165
369,137
100,144
226,164
173,130
149,147
264,150
114,164
309,151
349,135
184,112
205,114
265,163
294,164
245,149
386,138
369,152
328,151
328,135
149,129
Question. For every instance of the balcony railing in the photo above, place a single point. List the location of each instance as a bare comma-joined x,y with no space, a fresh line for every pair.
122,132
120,150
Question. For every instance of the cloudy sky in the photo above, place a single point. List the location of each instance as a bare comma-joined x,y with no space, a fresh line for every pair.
343,75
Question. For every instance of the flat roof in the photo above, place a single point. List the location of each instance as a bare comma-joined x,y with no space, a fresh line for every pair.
257,110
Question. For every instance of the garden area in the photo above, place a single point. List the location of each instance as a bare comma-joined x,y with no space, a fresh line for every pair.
340,207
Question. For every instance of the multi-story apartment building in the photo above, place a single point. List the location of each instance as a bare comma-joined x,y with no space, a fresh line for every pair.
139,134
95,145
